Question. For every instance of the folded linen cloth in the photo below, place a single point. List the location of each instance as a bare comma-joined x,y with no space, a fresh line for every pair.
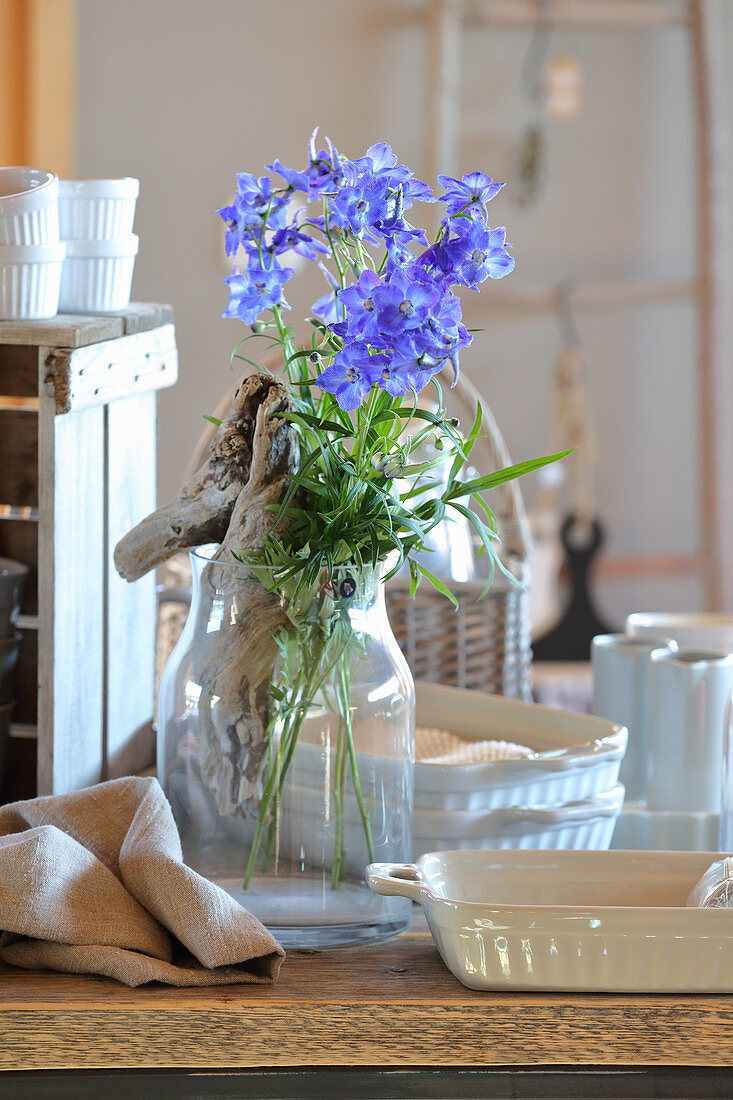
93,882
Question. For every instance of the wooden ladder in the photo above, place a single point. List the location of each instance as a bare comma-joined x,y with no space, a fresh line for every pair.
709,288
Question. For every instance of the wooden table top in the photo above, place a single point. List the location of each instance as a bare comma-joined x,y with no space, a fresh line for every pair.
393,1004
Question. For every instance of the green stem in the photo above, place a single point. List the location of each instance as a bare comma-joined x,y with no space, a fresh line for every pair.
305,688
351,748
338,801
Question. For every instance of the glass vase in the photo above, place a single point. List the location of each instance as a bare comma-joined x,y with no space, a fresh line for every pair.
285,747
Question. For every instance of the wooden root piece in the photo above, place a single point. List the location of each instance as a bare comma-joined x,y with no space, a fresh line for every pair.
228,501
235,665
202,510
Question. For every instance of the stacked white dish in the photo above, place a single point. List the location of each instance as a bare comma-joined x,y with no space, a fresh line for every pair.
31,256
95,221
565,795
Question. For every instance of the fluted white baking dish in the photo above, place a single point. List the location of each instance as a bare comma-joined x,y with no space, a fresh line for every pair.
577,921
97,210
30,277
97,275
577,755
588,823
28,206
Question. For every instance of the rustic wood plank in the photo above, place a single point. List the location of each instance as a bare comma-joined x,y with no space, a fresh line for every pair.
130,608
18,371
71,330
65,330
110,370
18,457
141,317
71,571
388,1005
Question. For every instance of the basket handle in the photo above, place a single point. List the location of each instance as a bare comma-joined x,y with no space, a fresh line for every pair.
514,523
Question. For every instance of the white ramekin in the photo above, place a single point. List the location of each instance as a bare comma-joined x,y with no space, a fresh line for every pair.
30,277
97,275
97,210
28,206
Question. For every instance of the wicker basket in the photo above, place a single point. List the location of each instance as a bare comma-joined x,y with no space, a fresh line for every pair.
485,644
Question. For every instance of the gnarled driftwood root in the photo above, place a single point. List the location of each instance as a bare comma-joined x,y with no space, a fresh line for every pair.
202,510
235,665
229,501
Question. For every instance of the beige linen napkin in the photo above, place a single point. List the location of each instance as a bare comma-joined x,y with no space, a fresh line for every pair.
93,882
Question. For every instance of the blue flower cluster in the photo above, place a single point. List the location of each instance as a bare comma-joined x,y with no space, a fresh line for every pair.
396,328
400,329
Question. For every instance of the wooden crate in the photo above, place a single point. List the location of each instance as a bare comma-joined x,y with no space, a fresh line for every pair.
78,469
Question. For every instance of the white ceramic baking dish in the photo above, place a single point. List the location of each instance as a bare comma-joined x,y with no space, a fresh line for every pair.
97,275
30,277
97,210
577,921
28,206
578,756
588,823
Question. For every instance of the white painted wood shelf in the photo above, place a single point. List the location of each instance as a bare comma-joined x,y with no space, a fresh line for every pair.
78,401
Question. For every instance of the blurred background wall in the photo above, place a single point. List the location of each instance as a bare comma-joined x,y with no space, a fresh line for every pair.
184,93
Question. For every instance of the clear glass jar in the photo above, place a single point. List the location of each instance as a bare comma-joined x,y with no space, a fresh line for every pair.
283,795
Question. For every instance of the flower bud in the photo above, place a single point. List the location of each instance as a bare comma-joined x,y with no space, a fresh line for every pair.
389,465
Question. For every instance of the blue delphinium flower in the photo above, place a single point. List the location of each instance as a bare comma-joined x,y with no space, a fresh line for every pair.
255,197
390,376
296,181
254,290
415,367
375,193
469,194
402,303
350,376
324,174
357,206
327,309
357,301
478,254
234,227
292,239
393,328
407,321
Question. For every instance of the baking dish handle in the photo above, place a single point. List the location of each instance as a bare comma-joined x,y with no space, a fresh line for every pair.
401,879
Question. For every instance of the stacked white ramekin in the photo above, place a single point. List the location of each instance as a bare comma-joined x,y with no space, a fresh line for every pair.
95,221
64,245
31,255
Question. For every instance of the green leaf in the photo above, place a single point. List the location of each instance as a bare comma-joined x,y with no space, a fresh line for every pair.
212,420
500,477
438,584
